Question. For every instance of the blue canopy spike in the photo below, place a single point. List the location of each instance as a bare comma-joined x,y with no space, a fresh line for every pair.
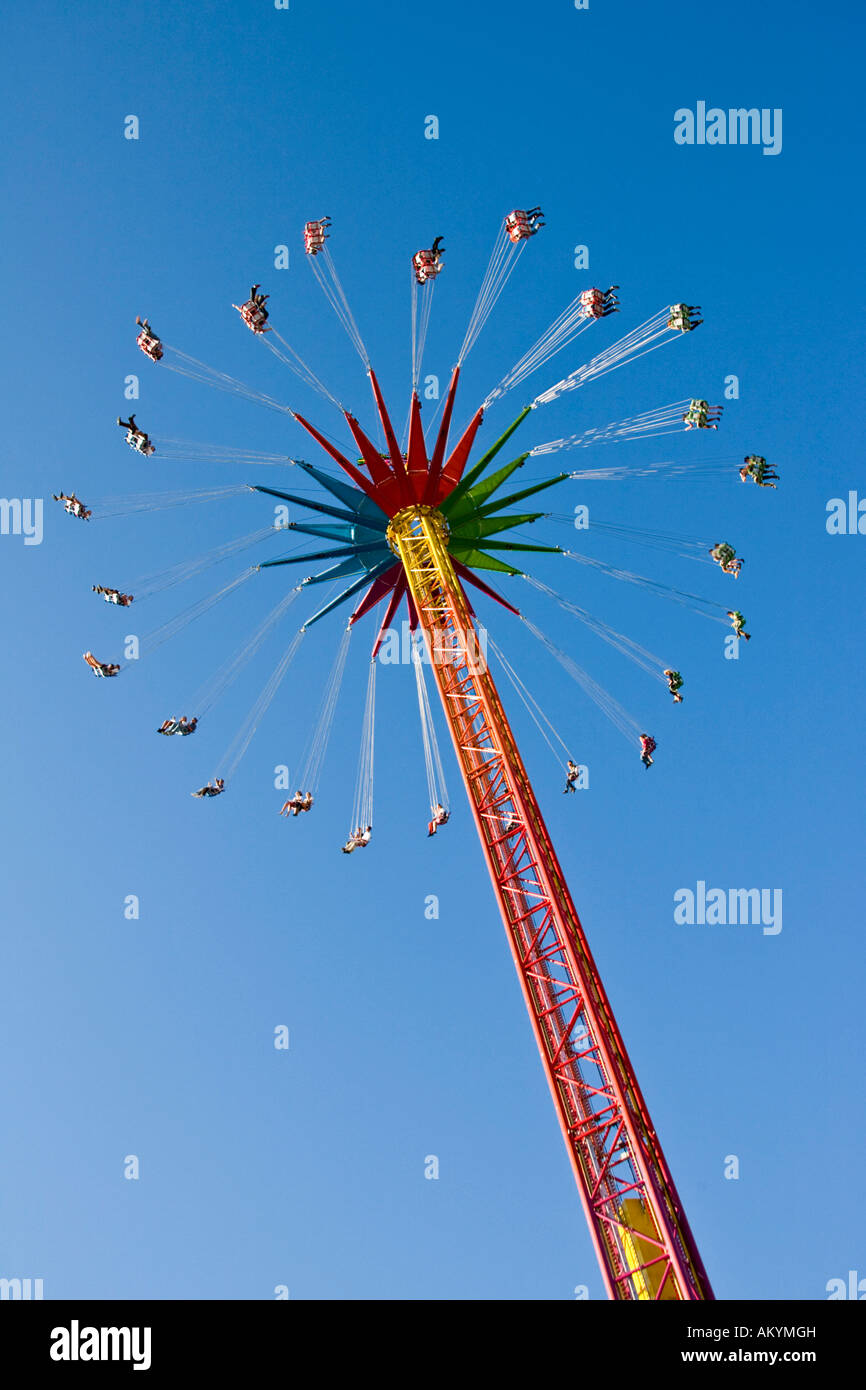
350,566
350,552
313,506
330,531
352,496
347,593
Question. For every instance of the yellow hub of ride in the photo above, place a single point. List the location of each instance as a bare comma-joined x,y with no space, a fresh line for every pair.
418,535
415,521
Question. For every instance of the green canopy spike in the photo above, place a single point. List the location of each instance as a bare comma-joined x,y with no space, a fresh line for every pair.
482,463
477,560
474,497
476,526
522,545
526,492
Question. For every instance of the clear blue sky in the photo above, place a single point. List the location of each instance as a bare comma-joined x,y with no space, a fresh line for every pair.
408,1036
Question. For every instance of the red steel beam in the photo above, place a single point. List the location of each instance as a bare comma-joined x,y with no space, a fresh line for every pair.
638,1226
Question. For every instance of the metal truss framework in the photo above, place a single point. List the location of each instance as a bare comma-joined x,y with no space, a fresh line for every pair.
642,1238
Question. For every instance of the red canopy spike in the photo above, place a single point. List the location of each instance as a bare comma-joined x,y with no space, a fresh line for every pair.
442,436
393,446
416,458
379,470
377,591
467,600
467,574
431,491
399,591
357,477
413,611
453,470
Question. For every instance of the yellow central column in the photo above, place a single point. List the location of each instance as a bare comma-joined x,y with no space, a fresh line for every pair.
418,535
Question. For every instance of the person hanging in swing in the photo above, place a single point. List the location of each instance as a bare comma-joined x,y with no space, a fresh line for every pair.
675,681
702,416
738,623
73,505
148,341
214,788
178,726
136,437
440,817
101,668
359,839
598,304
755,466
315,235
523,223
682,317
427,263
572,773
113,595
725,556
648,747
253,311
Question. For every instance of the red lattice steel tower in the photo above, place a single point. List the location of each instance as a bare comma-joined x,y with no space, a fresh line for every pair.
641,1235
434,514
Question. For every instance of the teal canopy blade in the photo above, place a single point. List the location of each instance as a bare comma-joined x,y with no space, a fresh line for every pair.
336,531
350,552
350,566
322,507
347,593
365,509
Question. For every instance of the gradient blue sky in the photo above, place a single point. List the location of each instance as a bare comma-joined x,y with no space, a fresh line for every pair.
408,1036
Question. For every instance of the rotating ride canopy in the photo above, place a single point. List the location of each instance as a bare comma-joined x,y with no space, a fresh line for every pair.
410,524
